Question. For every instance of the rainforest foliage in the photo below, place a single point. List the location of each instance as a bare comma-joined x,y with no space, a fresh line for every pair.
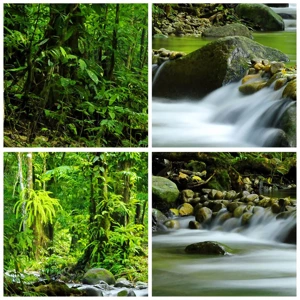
76,75
67,212
228,168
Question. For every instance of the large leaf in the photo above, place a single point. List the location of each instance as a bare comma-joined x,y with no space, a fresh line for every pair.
82,64
93,76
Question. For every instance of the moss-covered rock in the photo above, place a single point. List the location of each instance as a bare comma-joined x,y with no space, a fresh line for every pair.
260,15
234,29
158,216
216,64
196,166
187,195
290,91
172,224
186,209
207,248
246,217
164,192
94,276
289,125
203,215
56,289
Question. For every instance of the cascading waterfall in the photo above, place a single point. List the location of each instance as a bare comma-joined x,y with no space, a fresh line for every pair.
261,265
288,15
225,117
263,225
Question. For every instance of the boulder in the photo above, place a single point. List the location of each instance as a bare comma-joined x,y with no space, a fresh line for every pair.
206,248
208,68
234,29
164,193
94,276
260,15
289,125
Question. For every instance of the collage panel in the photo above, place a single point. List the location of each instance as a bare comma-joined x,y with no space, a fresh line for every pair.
76,75
224,224
224,75
75,224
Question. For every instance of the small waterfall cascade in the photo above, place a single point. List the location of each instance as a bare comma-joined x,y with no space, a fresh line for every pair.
263,225
224,117
156,70
288,15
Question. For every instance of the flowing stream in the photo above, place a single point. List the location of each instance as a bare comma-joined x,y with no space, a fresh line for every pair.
225,118
261,265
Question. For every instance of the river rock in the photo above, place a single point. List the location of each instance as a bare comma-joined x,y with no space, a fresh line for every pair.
186,209
212,194
126,293
232,206
230,195
173,212
252,87
291,237
172,224
239,211
206,69
164,193
187,195
251,198
91,291
158,216
206,248
123,282
246,217
234,29
261,15
218,206
94,276
203,215
289,125
55,289
224,217
290,91
194,225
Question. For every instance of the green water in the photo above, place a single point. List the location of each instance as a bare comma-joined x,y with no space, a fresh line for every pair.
285,41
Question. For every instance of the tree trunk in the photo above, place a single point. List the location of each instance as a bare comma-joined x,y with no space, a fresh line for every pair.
20,171
114,43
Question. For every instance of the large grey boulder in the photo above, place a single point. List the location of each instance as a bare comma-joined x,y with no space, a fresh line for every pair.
235,29
164,193
208,68
261,15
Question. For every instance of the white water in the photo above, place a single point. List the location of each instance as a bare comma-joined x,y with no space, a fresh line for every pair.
225,117
290,24
259,266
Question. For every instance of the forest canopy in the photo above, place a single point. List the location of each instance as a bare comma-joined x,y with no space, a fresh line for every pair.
76,75
65,213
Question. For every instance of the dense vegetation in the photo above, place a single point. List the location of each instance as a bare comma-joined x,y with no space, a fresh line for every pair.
275,169
76,75
65,213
